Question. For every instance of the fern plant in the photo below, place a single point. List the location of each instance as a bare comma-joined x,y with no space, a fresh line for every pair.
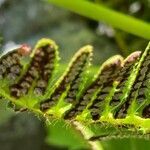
112,103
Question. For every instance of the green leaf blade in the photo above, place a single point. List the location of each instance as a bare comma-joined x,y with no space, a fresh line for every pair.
106,15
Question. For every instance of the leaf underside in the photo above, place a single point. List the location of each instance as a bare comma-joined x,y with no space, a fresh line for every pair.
117,95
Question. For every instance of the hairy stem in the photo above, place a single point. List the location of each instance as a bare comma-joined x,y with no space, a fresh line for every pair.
87,133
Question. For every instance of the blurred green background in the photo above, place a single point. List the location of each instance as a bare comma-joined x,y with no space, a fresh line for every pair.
26,21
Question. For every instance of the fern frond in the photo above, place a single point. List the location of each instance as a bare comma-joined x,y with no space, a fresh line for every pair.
118,95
